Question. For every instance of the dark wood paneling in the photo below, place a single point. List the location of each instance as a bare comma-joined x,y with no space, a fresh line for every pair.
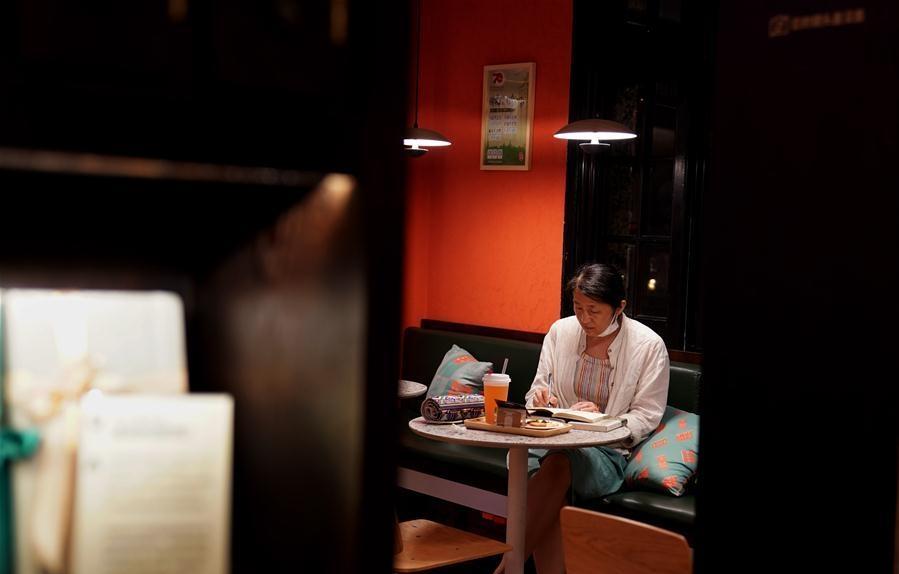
685,357
801,224
674,355
232,81
486,331
292,292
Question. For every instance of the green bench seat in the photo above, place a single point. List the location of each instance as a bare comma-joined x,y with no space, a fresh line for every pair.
485,468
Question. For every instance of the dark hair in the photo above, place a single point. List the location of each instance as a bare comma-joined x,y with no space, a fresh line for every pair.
604,283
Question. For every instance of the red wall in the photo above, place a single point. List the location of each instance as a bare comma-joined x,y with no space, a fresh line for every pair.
485,247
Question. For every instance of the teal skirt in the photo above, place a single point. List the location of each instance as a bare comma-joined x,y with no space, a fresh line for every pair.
595,470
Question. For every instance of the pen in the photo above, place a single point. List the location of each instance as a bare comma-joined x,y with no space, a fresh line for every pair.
550,384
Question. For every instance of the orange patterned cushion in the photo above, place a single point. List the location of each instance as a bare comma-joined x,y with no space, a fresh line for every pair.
459,374
666,461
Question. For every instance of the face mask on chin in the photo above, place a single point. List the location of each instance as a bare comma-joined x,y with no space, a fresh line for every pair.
613,326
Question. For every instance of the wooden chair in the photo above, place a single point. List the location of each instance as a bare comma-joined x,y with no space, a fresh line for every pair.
596,543
423,545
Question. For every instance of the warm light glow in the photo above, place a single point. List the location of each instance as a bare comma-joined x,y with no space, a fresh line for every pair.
594,137
339,21
416,143
652,285
594,130
338,187
333,194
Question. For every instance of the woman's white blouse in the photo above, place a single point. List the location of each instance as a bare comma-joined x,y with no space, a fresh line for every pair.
640,372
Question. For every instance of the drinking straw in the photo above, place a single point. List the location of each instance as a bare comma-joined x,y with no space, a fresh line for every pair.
505,364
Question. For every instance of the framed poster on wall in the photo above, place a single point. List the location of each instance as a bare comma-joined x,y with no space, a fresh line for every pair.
507,116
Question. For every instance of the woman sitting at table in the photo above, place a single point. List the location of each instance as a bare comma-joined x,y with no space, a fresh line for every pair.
599,360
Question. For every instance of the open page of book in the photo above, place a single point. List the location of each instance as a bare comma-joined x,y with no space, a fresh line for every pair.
153,485
569,414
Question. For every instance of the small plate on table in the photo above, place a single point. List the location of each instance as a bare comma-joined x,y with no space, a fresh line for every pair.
543,423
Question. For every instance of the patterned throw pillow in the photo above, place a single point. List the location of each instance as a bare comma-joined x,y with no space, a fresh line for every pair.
666,461
459,374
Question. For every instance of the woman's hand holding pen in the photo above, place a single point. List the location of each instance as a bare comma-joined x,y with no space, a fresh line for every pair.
543,398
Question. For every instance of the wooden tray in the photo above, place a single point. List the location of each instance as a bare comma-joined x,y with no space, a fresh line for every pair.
480,424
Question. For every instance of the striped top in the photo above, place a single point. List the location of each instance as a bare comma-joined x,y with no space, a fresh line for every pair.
593,380
638,391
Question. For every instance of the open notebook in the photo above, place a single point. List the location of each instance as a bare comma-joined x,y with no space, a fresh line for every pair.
580,419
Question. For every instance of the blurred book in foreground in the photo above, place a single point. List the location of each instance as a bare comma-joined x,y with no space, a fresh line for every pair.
153,485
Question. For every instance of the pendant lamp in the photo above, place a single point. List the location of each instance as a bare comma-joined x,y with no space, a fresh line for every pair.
596,132
416,139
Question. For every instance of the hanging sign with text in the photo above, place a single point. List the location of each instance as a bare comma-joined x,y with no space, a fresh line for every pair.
508,113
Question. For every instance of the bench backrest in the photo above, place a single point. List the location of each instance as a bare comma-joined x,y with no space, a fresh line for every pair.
423,349
683,387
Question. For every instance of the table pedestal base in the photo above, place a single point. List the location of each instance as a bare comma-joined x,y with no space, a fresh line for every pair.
517,501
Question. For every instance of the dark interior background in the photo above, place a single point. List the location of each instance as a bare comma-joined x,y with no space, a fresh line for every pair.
294,302
760,194
291,282
637,204
799,407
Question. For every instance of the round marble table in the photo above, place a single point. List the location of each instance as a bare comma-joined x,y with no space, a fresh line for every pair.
409,389
518,445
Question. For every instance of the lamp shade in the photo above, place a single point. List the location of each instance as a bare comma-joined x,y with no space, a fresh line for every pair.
419,137
595,130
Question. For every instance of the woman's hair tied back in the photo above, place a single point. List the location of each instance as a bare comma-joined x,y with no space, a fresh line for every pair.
599,281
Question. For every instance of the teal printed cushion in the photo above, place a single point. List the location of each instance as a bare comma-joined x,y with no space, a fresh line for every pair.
459,374
666,461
